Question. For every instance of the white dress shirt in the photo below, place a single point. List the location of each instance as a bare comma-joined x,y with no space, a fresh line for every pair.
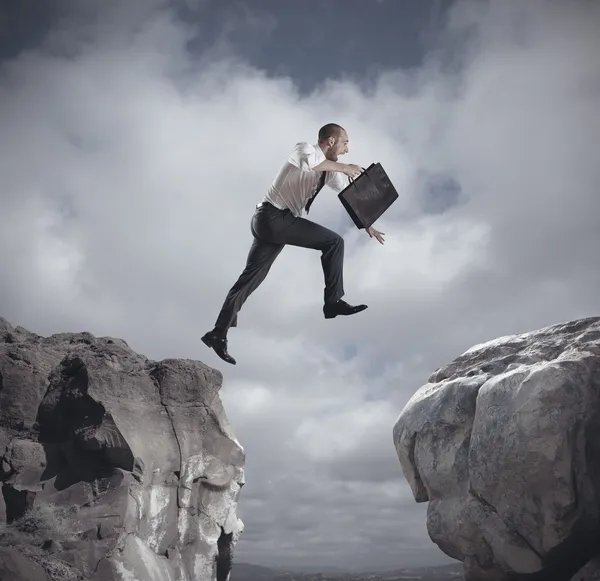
296,181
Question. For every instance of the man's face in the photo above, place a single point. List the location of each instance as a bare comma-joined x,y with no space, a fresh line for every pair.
338,146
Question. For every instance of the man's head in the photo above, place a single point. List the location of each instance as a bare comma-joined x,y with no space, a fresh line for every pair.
333,140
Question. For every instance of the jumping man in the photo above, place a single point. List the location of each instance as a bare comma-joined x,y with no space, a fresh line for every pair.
277,222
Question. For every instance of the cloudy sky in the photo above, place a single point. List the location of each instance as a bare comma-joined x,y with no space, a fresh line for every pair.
138,136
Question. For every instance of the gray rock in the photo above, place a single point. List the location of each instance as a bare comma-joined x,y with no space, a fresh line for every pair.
113,467
17,567
503,444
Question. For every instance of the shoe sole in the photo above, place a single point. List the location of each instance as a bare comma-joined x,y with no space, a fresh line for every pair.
345,314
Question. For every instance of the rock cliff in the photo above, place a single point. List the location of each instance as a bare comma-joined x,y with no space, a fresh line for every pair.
504,445
113,467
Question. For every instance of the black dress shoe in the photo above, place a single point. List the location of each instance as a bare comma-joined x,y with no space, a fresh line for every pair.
219,345
331,310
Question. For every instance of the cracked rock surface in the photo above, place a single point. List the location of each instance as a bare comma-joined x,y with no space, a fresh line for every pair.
504,445
113,467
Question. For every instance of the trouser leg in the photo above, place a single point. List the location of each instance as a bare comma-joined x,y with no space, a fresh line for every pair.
288,229
260,258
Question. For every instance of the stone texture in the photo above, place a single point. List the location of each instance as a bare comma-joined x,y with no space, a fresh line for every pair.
591,572
503,444
129,465
17,567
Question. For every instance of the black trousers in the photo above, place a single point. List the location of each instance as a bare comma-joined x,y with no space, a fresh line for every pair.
272,229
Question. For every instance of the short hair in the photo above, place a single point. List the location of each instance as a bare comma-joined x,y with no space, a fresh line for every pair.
330,130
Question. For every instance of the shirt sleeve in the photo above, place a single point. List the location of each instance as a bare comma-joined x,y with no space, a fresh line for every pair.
305,156
336,180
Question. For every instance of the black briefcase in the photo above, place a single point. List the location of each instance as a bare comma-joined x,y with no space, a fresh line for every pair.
368,196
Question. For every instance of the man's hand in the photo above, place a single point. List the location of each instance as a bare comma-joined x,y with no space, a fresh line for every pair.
378,235
352,170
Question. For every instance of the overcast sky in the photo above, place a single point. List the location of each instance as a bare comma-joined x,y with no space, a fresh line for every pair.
136,140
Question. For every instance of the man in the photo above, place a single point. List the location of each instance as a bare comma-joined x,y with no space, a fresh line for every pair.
277,222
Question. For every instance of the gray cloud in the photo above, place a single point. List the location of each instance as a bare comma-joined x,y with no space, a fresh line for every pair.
131,167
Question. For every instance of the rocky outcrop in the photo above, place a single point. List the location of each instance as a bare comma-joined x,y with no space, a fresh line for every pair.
113,467
504,445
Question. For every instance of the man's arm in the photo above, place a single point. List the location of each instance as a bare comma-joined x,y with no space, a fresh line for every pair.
306,156
346,168
328,165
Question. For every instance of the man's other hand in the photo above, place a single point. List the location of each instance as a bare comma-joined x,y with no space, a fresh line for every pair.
378,235
352,170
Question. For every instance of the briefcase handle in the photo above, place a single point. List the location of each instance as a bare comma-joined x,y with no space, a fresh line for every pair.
351,179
